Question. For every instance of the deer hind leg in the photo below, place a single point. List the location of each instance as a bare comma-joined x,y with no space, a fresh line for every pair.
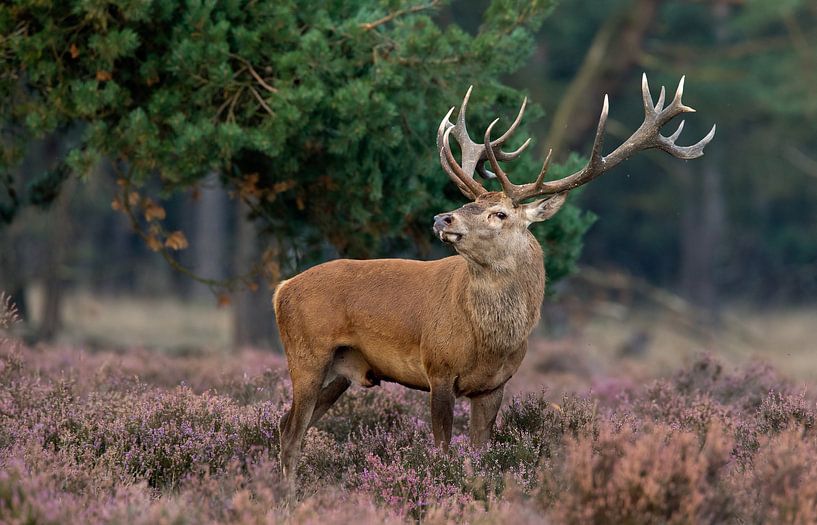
306,392
484,409
329,394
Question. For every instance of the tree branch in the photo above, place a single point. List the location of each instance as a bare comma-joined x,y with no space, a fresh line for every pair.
368,26
245,280
263,83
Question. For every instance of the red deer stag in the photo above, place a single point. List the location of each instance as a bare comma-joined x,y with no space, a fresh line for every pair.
456,326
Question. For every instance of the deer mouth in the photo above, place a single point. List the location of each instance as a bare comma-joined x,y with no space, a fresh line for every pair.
450,237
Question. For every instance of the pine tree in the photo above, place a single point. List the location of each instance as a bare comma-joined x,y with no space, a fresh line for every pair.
320,115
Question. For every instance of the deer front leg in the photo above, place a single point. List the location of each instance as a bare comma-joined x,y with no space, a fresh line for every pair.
484,409
442,412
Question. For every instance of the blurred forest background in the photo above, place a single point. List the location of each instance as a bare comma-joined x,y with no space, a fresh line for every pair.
146,142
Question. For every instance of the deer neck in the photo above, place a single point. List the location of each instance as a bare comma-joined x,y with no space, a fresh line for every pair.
504,298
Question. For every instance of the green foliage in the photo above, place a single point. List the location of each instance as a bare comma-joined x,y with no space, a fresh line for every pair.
329,108
561,240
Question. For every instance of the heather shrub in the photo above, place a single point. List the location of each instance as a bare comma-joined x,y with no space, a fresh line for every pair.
258,427
401,468
743,389
115,438
9,316
779,411
269,386
659,475
363,409
162,437
694,411
781,486
24,498
408,488
533,427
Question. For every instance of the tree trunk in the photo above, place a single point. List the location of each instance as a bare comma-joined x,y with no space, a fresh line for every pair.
704,217
253,319
12,280
702,237
54,278
210,234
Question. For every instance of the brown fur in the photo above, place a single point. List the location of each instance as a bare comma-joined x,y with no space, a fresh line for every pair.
456,326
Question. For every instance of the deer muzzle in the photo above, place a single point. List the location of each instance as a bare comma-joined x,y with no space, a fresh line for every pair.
445,228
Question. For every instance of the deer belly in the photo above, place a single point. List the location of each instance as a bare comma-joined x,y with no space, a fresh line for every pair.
369,370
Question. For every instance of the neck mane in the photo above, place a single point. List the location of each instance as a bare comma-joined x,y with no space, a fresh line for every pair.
504,299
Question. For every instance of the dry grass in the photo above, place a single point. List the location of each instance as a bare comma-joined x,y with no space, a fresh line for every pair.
631,345
161,323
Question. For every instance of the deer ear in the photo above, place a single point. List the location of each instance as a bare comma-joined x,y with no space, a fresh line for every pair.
544,209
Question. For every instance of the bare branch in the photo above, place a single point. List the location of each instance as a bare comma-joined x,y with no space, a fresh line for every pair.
263,102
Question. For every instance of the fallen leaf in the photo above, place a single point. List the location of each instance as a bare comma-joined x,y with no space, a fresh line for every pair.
74,50
103,76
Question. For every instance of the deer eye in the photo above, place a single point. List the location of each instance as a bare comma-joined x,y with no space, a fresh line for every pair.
500,215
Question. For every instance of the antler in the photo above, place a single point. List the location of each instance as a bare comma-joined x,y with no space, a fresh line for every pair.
474,154
647,136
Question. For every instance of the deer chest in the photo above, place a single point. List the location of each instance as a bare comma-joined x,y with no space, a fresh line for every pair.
489,371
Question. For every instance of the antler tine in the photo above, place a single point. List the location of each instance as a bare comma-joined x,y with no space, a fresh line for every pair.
470,149
541,178
647,136
596,158
597,164
473,154
474,187
676,107
660,104
501,155
646,96
445,125
685,152
517,193
507,186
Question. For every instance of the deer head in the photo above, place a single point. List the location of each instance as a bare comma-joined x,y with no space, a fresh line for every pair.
494,225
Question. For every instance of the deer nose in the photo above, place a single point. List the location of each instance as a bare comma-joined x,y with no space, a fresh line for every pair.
442,220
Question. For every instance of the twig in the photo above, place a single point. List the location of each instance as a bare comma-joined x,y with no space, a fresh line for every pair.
255,74
230,114
400,12
230,284
262,101
261,81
